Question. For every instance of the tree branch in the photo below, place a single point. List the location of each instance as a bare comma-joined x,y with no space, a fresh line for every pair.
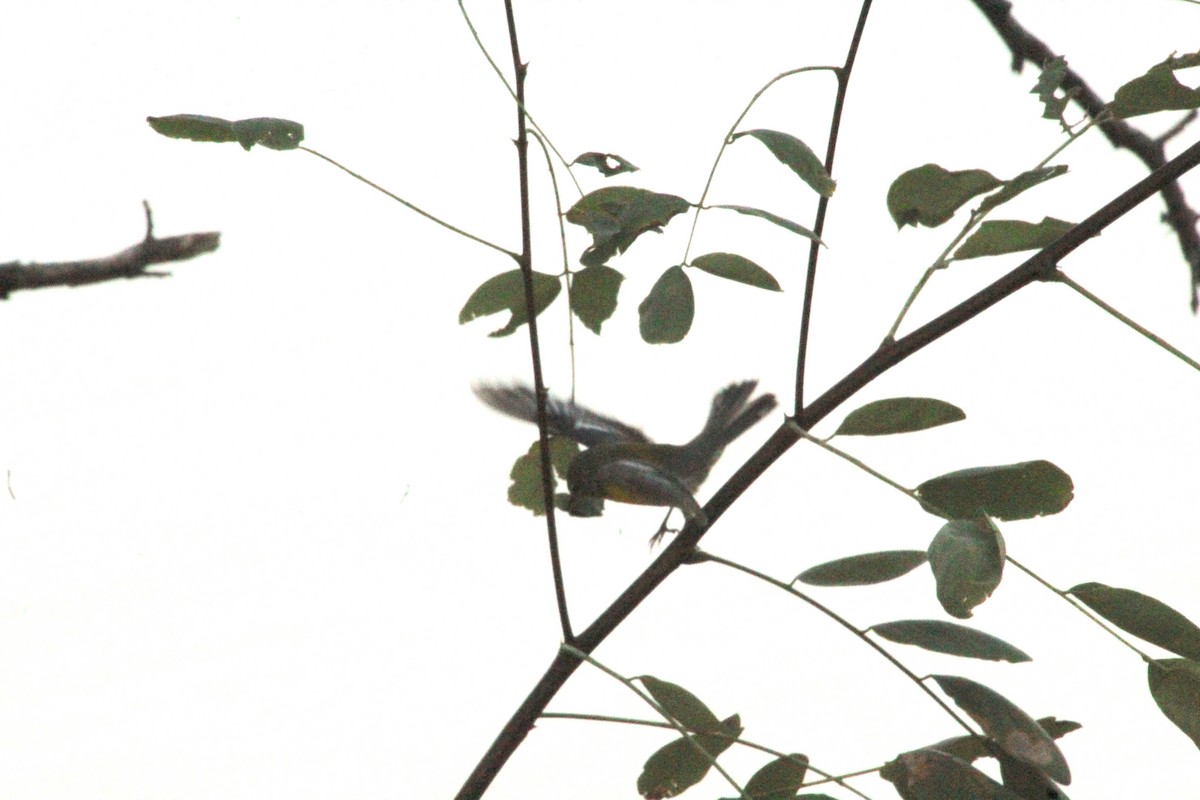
1027,48
132,262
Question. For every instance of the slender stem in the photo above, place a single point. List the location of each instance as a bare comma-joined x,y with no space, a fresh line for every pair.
674,723
825,445
1080,607
652,723
562,237
410,206
814,247
516,95
1063,278
535,354
840,620
729,137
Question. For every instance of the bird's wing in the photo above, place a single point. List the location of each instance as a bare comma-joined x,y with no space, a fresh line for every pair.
631,480
564,418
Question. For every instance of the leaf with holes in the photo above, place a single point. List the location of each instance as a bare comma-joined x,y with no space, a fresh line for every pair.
617,215
506,292
608,164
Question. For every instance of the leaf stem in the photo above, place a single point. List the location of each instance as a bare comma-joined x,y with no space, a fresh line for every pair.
410,206
1063,278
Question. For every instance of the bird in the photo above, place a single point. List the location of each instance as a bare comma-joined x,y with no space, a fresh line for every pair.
621,463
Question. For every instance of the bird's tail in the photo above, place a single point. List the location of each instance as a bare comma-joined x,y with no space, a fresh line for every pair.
732,414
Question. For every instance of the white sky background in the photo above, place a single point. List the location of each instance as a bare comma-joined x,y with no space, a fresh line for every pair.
259,546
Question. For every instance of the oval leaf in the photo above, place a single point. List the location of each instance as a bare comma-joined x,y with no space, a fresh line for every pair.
681,704
930,195
1175,686
967,558
1143,616
797,156
1009,491
899,415
679,765
506,292
997,237
1157,90
616,215
594,295
1007,725
786,224
736,268
778,779
666,313
949,637
608,164
865,569
971,748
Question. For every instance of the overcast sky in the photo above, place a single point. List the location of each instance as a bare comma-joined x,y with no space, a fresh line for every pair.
258,543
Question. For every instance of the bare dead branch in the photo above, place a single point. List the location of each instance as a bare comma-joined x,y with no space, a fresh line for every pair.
132,262
1027,48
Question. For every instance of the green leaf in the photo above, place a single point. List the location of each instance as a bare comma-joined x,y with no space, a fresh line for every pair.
949,637
506,292
933,775
526,474
1175,687
666,313
865,569
608,164
681,704
736,268
277,134
929,195
899,415
677,766
1048,82
1157,90
797,156
786,224
594,295
779,779
1008,726
1142,616
1009,491
997,237
1023,182
616,215
967,558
